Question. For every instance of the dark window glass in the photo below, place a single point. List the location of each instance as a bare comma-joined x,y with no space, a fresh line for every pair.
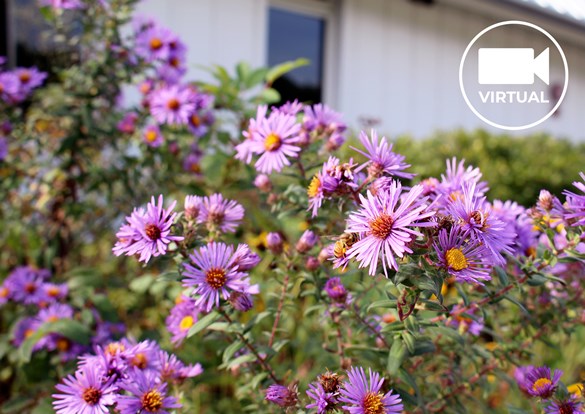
292,36
3,29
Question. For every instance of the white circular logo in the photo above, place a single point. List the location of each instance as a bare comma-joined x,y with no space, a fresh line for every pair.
513,75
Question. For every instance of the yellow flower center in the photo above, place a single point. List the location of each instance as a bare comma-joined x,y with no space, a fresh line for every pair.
156,43
152,401
215,278
4,292
150,135
91,395
53,291
313,188
186,323
28,333
540,384
272,142
53,318
115,347
381,226
456,259
372,404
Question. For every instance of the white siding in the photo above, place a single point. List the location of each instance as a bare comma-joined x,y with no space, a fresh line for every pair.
394,61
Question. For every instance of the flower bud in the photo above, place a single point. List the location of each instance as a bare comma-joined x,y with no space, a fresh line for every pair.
263,183
274,243
307,241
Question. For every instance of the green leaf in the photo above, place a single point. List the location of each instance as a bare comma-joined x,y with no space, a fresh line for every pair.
502,275
409,341
141,284
203,323
424,346
515,302
269,95
396,356
229,352
277,71
242,359
386,303
242,71
255,78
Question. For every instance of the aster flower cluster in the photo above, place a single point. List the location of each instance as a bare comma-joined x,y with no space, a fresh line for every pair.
18,84
45,303
541,383
126,376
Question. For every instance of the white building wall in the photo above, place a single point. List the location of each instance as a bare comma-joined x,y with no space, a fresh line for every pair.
394,61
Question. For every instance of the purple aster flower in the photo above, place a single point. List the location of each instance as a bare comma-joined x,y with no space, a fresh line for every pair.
29,78
364,397
105,332
145,395
213,273
245,150
143,356
473,214
172,70
244,259
152,136
568,405
336,291
63,4
387,227
127,125
321,121
26,284
3,148
274,139
5,294
85,392
462,256
193,205
518,222
456,177
381,159
307,241
334,178
576,204
181,318
290,108
323,401
191,162
147,233
274,242
220,214
153,43
466,320
8,87
540,383
242,302
172,104
55,312
55,292
24,329
520,377
172,369
281,395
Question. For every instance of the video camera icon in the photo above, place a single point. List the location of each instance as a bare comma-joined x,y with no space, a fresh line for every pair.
512,66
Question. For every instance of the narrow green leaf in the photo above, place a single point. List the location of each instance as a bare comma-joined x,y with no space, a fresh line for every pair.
279,70
203,323
396,356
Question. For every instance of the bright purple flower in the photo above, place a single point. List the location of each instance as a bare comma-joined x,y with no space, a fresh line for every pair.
380,157
568,405
245,150
3,148
307,241
24,329
105,332
387,227
153,43
520,377
127,125
145,395
467,321
9,84
147,233
213,273
173,70
274,242
274,139
336,291
85,392
576,204
55,312
323,401
152,136
473,214
172,104
463,256
516,221
55,292
244,259
29,78
143,356
456,177
290,108
181,318
364,397
242,302
193,205
540,383
281,395
191,161
334,178
26,284
63,4
220,214
172,369
322,119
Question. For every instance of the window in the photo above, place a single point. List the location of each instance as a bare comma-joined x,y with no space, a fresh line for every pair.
293,35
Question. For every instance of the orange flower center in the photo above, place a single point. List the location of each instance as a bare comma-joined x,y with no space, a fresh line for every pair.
216,278
272,142
151,135
540,384
372,404
4,292
30,288
195,120
63,344
115,347
152,401
24,77
53,318
381,226
156,43
152,231
53,291
456,260
91,395
173,104
140,361
174,62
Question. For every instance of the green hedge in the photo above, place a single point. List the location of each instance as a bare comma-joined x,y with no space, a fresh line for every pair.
516,168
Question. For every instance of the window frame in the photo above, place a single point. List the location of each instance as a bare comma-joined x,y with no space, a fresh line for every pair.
328,10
